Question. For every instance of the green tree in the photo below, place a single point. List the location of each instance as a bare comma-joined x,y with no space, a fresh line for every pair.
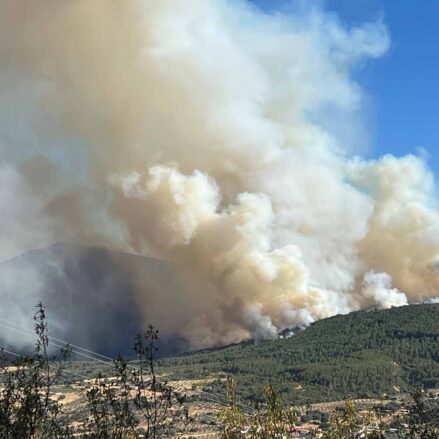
27,409
137,405
233,421
271,419
423,418
350,424
138,398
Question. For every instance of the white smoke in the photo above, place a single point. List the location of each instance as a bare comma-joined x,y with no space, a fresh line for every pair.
378,287
259,324
208,133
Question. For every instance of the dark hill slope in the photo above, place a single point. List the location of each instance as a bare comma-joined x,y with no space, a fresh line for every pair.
91,295
362,354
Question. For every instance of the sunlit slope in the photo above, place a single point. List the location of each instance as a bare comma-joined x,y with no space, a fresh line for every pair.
362,354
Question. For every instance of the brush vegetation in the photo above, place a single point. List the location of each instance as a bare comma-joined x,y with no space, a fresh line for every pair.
137,403
360,355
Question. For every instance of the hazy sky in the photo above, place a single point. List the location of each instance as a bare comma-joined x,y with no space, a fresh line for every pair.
402,85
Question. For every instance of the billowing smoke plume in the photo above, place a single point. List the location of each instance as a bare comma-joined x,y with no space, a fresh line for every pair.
219,138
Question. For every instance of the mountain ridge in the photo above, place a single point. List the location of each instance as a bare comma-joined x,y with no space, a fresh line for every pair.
91,294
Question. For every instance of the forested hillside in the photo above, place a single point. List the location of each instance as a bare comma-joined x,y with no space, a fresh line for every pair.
362,354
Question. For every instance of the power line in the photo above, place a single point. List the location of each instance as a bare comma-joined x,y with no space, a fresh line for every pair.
107,363
28,333
206,398
62,371
10,353
58,339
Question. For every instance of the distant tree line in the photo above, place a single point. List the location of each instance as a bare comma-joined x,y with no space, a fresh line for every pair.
274,419
360,355
142,405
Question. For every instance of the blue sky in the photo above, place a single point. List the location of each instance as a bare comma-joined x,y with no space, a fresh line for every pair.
403,86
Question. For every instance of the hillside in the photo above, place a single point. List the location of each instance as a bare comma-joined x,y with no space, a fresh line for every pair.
91,295
362,354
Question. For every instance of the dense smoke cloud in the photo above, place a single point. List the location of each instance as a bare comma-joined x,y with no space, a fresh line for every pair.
221,139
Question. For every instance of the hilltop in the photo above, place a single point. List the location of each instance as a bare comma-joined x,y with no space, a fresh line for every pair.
91,295
363,354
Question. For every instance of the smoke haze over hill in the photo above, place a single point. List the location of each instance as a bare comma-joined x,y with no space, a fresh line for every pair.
222,139
91,296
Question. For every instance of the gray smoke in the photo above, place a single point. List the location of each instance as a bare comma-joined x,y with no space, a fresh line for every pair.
208,134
